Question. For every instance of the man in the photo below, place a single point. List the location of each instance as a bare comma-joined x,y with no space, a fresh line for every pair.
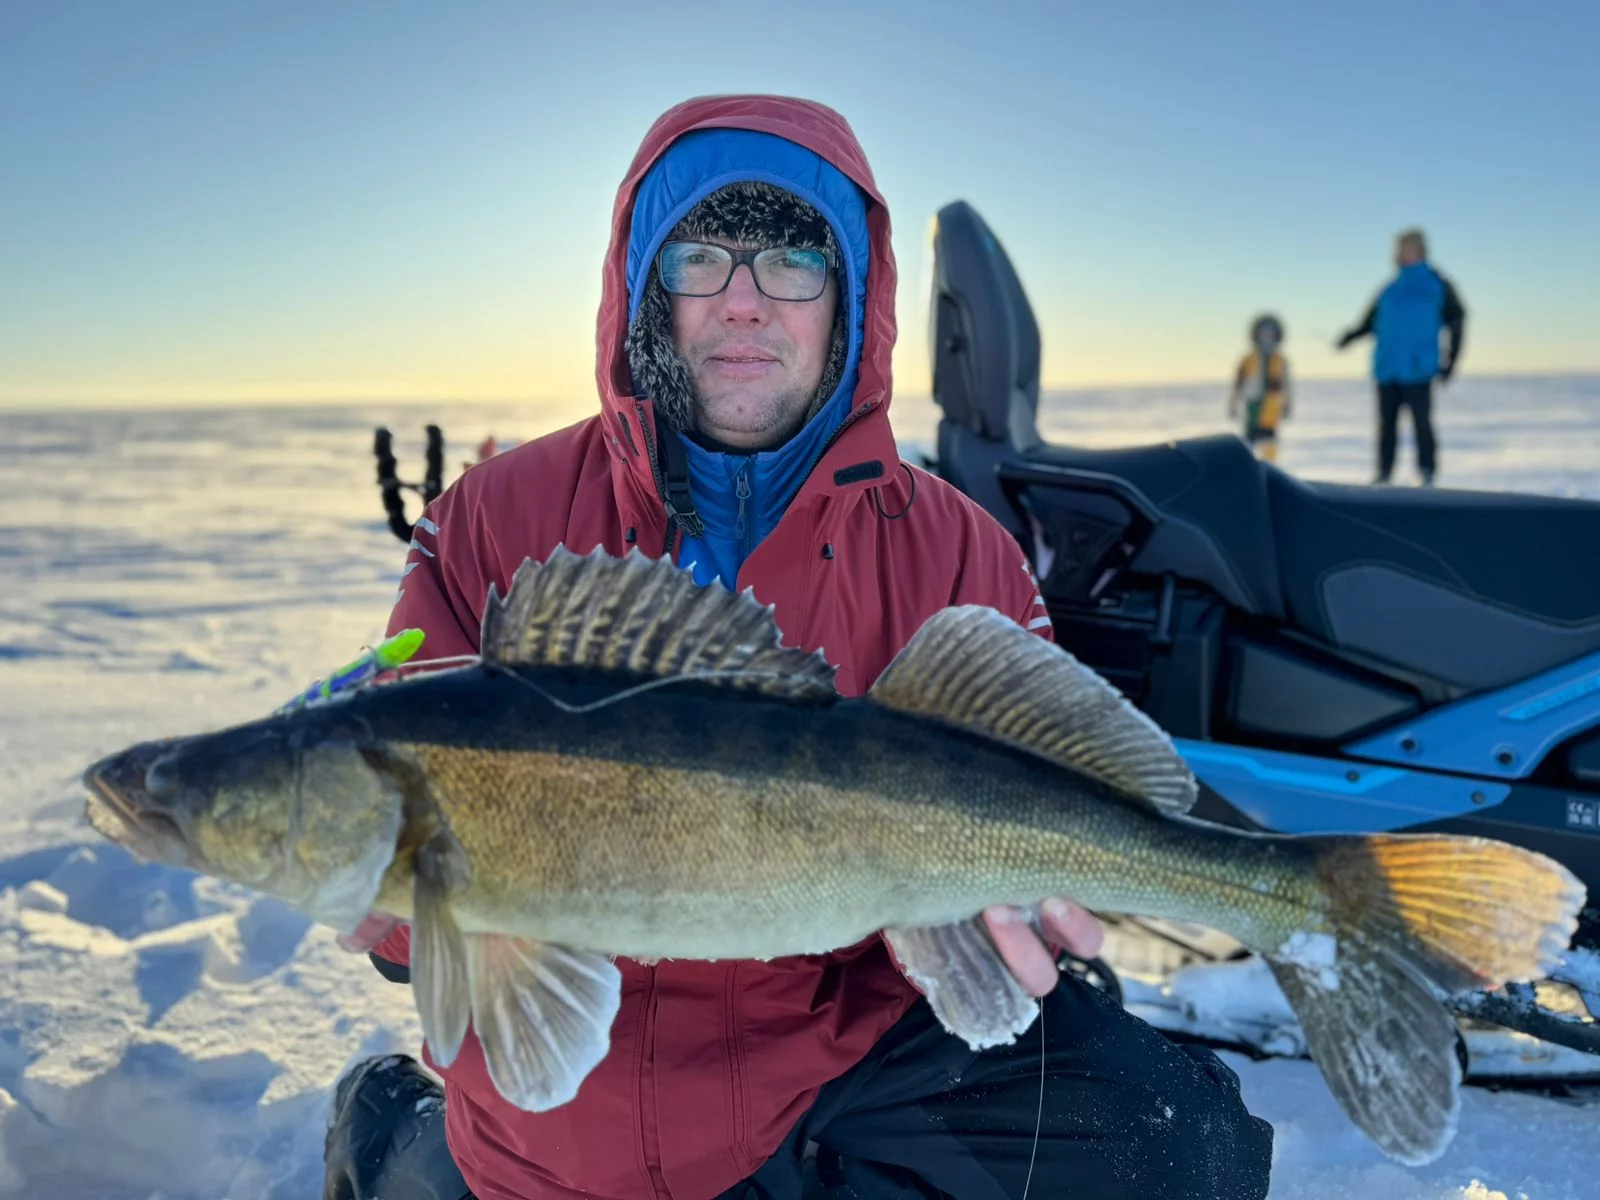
1407,317
746,326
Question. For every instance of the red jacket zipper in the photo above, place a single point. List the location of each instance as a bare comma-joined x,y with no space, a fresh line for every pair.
647,1109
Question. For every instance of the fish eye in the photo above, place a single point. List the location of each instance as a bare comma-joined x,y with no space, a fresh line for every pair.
163,779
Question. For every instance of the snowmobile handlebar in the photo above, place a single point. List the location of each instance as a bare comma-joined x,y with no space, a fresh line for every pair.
1100,549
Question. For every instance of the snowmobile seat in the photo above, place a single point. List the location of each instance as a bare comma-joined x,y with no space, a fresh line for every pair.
1479,589
1475,589
1205,499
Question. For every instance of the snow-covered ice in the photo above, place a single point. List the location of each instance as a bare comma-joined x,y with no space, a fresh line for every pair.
166,1035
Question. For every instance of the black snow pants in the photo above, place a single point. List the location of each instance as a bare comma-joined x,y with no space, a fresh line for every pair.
1123,1112
1418,397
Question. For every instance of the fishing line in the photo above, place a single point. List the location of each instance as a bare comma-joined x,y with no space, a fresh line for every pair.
649,685
429,664
1038,1120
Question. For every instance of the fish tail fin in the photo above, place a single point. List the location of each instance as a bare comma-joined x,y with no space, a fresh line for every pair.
1412,917
1469,912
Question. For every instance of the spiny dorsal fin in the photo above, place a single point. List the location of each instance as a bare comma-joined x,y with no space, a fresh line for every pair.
646,616
976,668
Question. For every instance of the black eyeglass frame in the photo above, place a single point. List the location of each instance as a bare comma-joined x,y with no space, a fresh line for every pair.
746,258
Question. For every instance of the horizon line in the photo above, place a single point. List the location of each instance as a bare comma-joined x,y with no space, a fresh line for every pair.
46,407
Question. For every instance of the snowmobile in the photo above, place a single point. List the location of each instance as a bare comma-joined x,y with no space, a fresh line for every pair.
1328,658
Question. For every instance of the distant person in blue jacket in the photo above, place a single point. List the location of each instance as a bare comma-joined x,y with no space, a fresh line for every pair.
1407,318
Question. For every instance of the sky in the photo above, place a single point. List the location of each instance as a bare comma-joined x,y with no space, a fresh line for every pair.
206,201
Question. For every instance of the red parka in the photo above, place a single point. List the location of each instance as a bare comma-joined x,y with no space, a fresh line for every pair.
710,1063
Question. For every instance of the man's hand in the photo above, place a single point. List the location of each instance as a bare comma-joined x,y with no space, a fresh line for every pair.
373,929
1074,928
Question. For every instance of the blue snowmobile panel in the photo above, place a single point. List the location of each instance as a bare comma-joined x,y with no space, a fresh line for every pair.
1503,734
1300,793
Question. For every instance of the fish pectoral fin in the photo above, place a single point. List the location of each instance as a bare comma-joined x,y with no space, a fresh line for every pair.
1385,1045
438,957
542,1014
967,983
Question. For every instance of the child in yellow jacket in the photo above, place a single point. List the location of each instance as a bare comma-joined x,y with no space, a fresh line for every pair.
1261,387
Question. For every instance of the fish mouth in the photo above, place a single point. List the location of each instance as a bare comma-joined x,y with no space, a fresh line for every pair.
121,808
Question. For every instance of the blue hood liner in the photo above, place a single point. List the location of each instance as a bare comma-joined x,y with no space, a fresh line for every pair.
694,166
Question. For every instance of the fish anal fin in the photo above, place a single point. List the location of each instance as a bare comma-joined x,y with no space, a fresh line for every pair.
976,668
646,616
542,1014
967,983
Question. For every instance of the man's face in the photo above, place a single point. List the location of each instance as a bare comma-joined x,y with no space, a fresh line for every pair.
756,362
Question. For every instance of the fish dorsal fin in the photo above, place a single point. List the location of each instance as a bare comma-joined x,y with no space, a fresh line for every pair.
978,669
646,616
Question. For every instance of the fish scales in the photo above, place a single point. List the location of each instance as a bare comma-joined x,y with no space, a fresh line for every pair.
767,829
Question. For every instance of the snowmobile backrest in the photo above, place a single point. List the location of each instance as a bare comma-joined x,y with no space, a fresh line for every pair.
983,339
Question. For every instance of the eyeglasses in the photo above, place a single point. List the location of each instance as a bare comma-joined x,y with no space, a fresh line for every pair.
703,269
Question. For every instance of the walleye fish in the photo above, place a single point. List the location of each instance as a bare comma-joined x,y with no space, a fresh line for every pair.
638,767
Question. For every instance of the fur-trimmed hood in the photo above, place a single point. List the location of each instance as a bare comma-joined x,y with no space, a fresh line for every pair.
794,136
752,212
